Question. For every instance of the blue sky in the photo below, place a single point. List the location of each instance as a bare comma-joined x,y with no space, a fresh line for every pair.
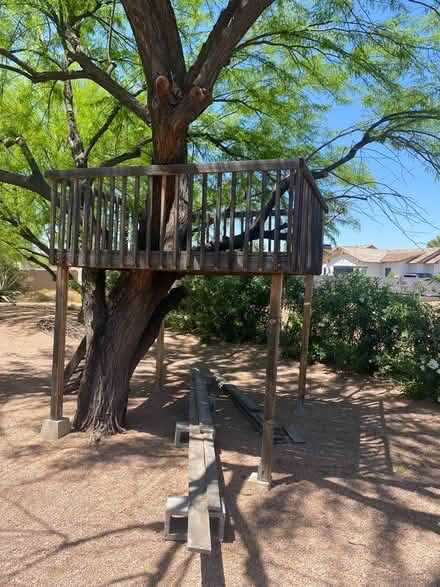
408,177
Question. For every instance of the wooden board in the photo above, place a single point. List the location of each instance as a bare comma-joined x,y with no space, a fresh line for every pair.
200,389
212,488
199,533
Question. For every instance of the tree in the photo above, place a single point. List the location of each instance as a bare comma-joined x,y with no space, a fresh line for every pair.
275,63
434,242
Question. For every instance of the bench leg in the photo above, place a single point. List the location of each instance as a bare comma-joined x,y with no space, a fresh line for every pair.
176,519
181,434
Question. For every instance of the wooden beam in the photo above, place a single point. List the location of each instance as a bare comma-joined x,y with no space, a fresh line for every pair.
308,292
59,343
160,358
265,468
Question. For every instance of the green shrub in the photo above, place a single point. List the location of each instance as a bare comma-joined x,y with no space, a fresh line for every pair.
232,308
11,282
356,324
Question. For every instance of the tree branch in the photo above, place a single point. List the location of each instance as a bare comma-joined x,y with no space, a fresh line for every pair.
76,144
135,152
231,26
103,129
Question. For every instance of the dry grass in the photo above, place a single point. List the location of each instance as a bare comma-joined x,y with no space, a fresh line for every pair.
358,505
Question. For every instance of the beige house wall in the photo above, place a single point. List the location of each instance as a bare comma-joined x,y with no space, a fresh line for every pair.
41,279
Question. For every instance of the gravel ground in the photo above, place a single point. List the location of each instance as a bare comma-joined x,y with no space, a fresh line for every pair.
358,504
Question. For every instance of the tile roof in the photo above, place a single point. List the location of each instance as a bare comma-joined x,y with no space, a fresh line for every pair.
369,254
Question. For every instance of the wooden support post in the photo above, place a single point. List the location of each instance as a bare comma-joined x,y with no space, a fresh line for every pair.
308,292
160,358
264,476
58,426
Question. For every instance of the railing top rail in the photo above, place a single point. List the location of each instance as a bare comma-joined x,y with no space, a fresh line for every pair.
175,169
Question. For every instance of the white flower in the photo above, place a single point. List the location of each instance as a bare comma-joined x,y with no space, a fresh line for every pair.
433,364
361,300
422,367
438,371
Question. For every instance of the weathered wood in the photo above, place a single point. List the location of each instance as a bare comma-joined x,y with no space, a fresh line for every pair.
232,218
163,227
199,533
203,220
248,221
200,391
218,209
135,219
212,488
276,244
148,221
86,221
177,169
308,292
76,359
62,231
59,343
176,243
123,221
53,220
265,468
160,358
76,219
99,233
190,180
302,219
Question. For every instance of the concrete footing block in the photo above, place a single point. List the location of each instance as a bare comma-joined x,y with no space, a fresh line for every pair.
55,429
256,483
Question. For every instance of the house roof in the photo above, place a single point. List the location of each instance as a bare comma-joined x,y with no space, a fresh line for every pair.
369,254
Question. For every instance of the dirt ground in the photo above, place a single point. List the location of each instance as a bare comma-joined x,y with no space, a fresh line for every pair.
358,504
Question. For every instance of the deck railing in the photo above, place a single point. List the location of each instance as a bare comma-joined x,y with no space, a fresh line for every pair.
231,217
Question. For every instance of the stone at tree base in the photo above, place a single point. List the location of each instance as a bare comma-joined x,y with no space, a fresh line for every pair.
55,429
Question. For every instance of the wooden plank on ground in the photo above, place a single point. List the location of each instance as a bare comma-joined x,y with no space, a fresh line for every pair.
200,389
294,435
212,488
199,533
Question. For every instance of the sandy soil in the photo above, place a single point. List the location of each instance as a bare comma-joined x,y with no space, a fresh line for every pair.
358,504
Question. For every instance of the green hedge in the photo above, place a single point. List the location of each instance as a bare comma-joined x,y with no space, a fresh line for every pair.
356,324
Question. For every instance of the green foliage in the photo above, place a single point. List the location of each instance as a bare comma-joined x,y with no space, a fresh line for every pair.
363,327
356,324
11,281
434,242
230,308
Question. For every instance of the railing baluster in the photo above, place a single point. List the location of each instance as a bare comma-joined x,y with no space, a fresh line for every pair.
62,233
135,221
123,221
112,245
148,217
290,218
203,220
297,217
247,226
86,222
218,210
76,221
189,222
99,232
176,220
232,220
53,220
92,218
70,209
163,194
276,243
262,221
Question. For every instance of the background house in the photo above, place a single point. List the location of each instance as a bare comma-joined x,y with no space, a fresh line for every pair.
382,262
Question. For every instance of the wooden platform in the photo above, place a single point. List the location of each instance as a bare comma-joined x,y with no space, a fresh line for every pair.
230,217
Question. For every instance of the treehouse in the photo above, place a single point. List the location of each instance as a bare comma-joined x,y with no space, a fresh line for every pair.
234,217
254,217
